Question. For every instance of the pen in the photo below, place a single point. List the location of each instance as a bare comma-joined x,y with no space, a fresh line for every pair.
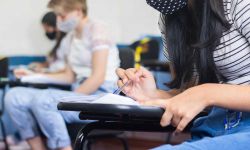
118,91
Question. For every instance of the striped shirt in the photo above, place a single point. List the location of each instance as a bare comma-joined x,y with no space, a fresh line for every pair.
232,56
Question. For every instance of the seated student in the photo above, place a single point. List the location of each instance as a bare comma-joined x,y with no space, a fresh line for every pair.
92,61
56,59
208,43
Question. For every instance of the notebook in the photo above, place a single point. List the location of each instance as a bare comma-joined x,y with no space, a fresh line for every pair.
101,99
41,79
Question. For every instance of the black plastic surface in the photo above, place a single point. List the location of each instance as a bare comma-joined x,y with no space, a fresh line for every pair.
109,112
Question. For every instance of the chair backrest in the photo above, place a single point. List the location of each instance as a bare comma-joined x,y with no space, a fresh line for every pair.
127,58
3,68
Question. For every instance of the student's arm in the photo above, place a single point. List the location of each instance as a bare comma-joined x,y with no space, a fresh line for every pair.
99,65
67,75
181,109
161,94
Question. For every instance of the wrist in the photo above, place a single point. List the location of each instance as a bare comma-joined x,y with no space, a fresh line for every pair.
206,94
160,94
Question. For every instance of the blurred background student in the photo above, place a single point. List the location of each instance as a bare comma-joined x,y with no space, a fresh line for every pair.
56,58
91,63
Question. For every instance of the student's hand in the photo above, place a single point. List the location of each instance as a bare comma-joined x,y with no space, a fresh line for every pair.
141,86
22,72
37,67
181,109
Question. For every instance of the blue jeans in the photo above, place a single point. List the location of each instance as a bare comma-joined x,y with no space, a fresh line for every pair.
209,133
34,110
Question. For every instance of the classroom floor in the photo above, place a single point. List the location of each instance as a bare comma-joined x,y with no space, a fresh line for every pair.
136,141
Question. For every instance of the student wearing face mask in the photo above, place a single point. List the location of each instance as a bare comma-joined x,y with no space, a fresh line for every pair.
91,63
56,58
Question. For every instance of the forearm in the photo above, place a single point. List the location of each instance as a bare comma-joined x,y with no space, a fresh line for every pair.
62,76
161,94
90,85
235,97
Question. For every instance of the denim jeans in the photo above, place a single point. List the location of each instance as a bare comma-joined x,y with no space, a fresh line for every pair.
209,133
34,110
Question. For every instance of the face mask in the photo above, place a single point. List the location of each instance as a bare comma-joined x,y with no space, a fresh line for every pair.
167,7
51,35
68,25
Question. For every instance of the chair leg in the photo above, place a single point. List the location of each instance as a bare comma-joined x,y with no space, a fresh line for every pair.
4,134
169,137
121,126
1,120
124,143
89,144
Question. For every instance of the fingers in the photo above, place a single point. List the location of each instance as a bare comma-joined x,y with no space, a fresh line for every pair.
175,120
121,74
126,75
183,123
166,118
180,121
120,83
22,72
143,72
133,74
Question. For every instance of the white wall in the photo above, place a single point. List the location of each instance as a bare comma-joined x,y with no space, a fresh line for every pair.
21,32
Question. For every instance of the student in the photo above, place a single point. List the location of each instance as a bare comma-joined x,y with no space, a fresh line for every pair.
56,58
208,44
92,61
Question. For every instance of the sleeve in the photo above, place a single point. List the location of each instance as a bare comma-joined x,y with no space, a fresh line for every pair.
100,39
241,16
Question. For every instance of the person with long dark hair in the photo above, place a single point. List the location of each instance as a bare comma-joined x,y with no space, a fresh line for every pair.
207,43
56,58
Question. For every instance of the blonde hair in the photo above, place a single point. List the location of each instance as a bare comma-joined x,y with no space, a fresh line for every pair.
69,5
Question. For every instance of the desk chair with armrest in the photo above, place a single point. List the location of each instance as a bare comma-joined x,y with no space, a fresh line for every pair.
117,118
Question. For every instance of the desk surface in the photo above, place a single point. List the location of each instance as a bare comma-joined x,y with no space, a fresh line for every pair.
14,83
111,112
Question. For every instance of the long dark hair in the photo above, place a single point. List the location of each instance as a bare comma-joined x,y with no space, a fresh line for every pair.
50,20
192,35
53,52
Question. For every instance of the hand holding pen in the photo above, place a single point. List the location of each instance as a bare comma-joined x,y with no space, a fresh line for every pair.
138,84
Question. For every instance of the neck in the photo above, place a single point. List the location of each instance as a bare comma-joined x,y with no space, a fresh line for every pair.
81,24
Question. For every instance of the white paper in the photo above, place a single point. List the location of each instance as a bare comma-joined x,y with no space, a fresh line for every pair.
115,99
101,99
41,79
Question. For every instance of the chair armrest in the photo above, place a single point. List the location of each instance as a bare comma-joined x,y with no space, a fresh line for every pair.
37,85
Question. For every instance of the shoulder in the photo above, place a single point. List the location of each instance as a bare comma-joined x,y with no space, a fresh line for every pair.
236,7
96,25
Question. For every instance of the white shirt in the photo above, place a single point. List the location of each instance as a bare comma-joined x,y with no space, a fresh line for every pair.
94,37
